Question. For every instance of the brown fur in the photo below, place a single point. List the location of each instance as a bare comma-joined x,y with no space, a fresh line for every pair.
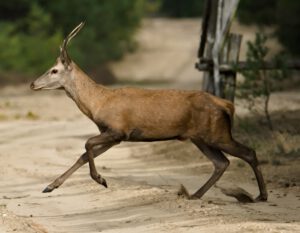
155,114
136,114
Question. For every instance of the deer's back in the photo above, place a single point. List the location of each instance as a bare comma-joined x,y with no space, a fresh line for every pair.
157,114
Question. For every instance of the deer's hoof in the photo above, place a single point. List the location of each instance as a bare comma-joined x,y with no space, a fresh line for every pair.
48,190
103,182
182,192
100,180
261,198
194,197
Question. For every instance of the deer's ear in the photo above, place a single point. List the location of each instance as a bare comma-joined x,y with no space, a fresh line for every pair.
69,67
66,64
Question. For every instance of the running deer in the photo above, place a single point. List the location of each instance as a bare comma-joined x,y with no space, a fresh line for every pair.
141,115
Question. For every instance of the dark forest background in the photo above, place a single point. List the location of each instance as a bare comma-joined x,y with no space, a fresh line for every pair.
32,30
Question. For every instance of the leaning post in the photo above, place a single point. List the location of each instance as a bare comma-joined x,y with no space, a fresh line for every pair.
230,55
217,19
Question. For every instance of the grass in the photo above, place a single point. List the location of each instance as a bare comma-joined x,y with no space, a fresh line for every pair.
28,116
31,116
7,104
3,117
272,146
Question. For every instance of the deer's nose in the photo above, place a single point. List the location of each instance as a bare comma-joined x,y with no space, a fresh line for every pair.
32,85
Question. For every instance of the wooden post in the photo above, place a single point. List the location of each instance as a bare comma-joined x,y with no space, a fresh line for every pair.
208,77
230,55
292,64
205,22
216,24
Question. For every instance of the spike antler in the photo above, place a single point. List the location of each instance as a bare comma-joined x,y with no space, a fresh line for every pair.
66,60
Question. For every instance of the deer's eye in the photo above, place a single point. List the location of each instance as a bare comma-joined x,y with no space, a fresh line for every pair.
54,71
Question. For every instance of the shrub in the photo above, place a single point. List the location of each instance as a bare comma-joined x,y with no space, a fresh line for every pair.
259,84
182,8
30,51
29,40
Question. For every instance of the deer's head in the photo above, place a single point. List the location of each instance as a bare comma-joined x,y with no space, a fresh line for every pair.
59,74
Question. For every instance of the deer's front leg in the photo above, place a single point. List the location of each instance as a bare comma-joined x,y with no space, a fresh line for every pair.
81,161
100,140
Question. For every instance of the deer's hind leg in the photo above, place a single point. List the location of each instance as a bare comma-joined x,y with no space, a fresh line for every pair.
238,150
220,163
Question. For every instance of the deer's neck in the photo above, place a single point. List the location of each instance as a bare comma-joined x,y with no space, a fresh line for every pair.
84,91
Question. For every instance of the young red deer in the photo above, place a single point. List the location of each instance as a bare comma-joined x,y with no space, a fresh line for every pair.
135,114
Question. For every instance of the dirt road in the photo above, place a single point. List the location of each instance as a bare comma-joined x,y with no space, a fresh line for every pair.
40,141
42,134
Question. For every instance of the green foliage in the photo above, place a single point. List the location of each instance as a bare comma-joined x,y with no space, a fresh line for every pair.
259,84
256,79
182,8
32,51
108,31
152,7
280,13
30,40
257,12
288,25
14,9
253,85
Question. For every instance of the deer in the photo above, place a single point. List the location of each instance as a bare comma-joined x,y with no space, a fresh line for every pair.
132,114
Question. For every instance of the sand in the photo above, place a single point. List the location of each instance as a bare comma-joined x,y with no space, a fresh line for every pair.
43,133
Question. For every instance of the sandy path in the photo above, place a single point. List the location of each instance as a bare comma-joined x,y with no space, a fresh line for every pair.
142,181
42,134
167,51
